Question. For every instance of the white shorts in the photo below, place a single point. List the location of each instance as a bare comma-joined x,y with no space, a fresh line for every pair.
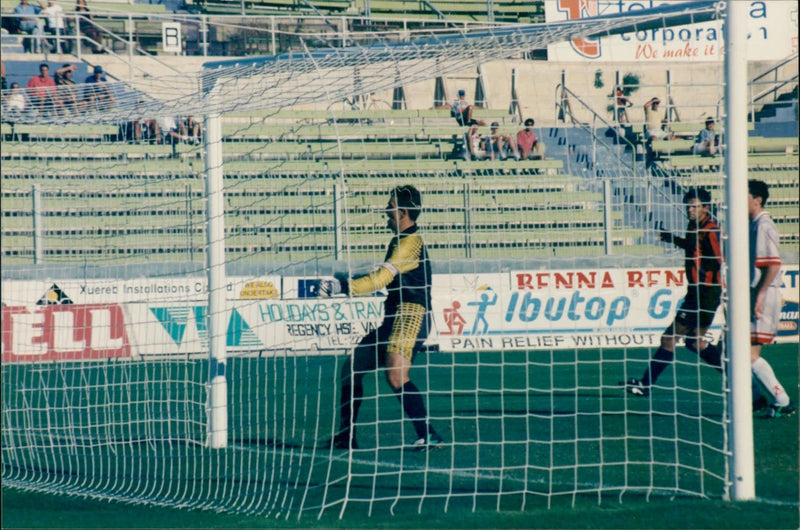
658,134
763,330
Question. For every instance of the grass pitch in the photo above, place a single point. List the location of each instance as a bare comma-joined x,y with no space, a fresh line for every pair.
545,420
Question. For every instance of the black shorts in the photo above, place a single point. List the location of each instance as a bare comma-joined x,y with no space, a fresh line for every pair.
699,307
461,118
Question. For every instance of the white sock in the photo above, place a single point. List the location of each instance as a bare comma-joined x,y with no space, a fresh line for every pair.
763,371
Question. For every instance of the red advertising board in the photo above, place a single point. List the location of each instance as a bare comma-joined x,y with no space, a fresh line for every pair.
64,332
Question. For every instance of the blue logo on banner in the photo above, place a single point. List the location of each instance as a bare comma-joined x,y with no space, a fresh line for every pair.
175,319
307,288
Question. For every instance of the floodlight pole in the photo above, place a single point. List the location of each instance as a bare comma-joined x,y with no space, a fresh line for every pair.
217,404
738,254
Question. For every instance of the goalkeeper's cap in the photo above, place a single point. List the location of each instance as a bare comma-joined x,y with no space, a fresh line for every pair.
701,194
408,198
462,93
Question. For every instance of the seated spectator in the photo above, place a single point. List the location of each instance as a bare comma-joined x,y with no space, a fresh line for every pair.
88,28
654,121
97,94
27,22
478,145
138,130
167,130
14,103
528,145
461,110
68,89
42,92
190,127
706,141
502,145
3,67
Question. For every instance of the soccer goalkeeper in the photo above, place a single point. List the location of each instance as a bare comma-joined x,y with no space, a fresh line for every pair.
406,275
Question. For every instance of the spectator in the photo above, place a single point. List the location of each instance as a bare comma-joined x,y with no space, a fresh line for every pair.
88,28
167,126
478,145
191,128
621,103
527,143
14,103
54,22
27,22
3,68
68,89
42,91
502,145
461,110
706,141
138,129
97,94
654,120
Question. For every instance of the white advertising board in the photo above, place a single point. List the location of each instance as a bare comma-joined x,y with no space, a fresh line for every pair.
772,34
67,319
564,309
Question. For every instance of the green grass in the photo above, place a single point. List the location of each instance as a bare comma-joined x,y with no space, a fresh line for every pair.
527,409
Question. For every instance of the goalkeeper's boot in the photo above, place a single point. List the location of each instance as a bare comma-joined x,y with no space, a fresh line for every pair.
776,411
345,440
432,441
635,387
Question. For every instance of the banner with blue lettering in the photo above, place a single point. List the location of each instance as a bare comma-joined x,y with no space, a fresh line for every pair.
771,25
560,309
67,319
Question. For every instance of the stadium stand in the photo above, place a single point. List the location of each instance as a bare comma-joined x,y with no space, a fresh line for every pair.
155,188
472,10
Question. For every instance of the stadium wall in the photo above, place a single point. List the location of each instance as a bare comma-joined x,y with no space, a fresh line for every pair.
691,85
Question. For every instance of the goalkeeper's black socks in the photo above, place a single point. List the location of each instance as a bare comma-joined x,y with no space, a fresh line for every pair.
350,403
414,407
661,359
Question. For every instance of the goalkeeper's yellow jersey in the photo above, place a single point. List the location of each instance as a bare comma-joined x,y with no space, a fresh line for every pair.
405,273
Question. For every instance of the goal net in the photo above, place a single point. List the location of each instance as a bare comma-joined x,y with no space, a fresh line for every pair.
151,223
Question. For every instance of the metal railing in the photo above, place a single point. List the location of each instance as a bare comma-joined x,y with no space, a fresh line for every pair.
775,84
232,35
564,109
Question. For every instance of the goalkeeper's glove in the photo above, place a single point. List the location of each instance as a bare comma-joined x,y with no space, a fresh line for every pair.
328,288
667,237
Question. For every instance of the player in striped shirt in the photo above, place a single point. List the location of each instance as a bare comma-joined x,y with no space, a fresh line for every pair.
765,299
703,260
